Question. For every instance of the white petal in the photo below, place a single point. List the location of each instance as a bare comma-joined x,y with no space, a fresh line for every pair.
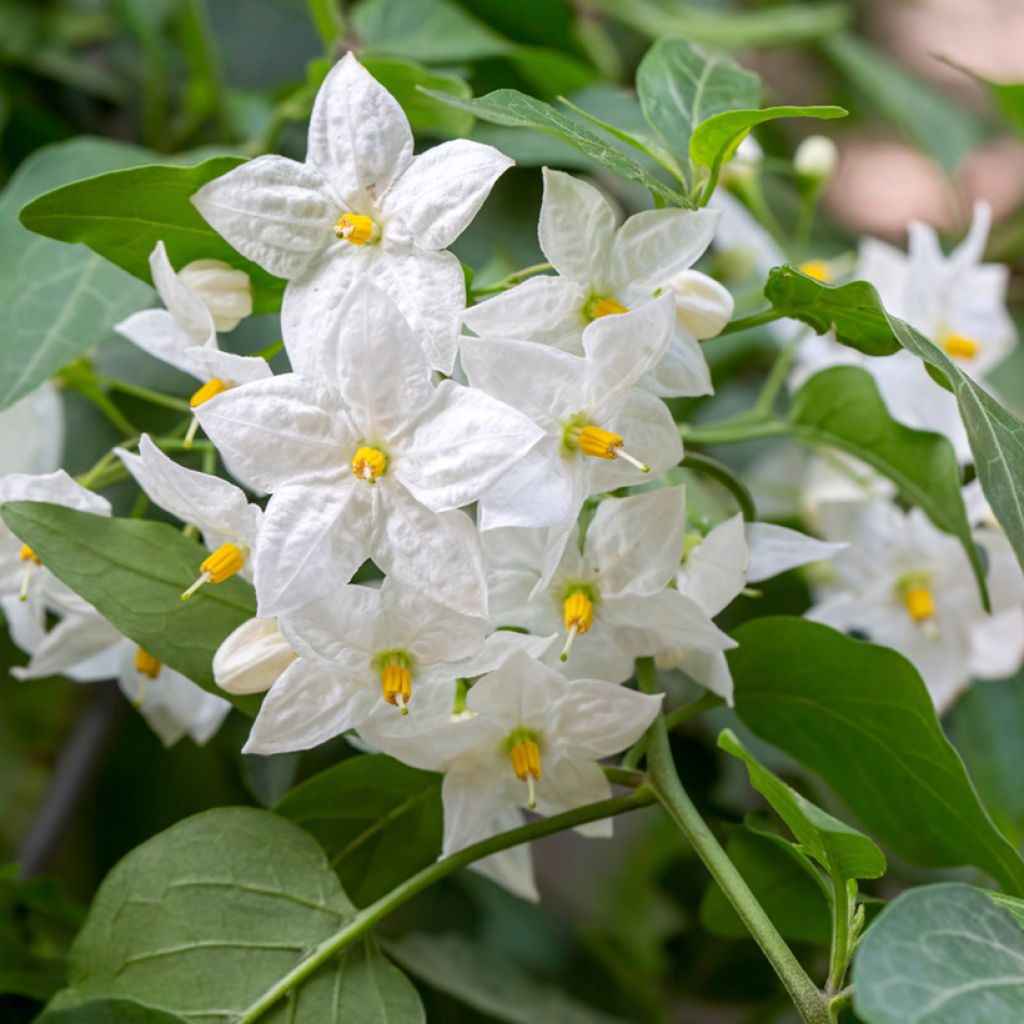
997,644
682,372
82,647
711,670
670,619
522,691
776,549
576,230
653,246
498,648
274,211
172,705
358,135
574,782
57,488
715,571
339,628
703,305
598,654
471,793
544,308
181,302
541,490
440,192
512,869
37,421
598,719
157,332
230,368
252,657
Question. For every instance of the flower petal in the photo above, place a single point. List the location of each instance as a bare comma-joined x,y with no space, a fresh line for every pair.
715,571
654,245
156,332
598,719
230,368
656,622
574,782
545,308
541,490
776,549
181,302
577,227
682,372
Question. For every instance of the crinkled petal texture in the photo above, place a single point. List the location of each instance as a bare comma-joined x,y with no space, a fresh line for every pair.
218,508
576,229
653,246
715,571
682,372
274,211
544,309
57,488
359,136
776,549
187,309
571,782
646,625
597,719
544,489
440,192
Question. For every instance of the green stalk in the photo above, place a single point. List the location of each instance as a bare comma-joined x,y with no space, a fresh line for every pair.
146,394
369,916
839,955
732,483
514,278
729,432
744,323
672,719
669,791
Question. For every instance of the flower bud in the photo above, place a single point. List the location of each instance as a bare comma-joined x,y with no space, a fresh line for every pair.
745,164
703,306
226,292
252,657
816,158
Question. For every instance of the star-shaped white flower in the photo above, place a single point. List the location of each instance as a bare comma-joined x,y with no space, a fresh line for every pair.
532,740
607,271
597,424
368,460
361,207
32,433
611,601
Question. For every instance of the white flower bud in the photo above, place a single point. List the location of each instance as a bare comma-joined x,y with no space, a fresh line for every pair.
816,158
226,292
252,657
703,306
745,163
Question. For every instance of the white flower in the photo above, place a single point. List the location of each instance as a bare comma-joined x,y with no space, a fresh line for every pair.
367,460
611,600
602,272
183,334
703,306
361,207
597,426
32,433
533,741
230,525
816,158
252,657
905,584
223,290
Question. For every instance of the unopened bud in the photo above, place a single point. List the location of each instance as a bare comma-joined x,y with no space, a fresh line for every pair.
703,306
252,657
744,165
226,292
816,158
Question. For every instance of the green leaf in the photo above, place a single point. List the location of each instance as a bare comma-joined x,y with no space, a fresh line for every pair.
680,85
106,1011
402,78
489,982
995,434
715,139
841,407
930,120
328,19
859,716
842,851
56,301
853,311
133,572
1010,903
204,918
786,885
514,109
1010,98
941,954
123,214
378,820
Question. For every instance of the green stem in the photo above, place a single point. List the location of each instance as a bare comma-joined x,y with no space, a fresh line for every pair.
147,395
669,791
839,955
369,916
776,379
714,469
744,323
90,390
514,278
728,432
838,1003
681,714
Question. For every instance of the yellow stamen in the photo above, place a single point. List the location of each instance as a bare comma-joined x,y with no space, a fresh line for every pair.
959,346
28,555
597,308
920,603
219,566
354,228
818,269
578,616
369,463
146,664
603,444
396,685
209,390
525,756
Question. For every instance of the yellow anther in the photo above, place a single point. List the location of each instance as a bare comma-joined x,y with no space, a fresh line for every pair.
209,390
146,664
818,269
597,308
33,560
525,757
603,444
959,346
578,616
219,566
369,463
396,685
28,555
920,603
354,228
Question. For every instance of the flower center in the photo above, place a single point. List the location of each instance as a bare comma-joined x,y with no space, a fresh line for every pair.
578,616
218,566
209,390
146,664
28,555
605,306
818,269
592,440
396,679
369,463
355,228
33,560
523,746
920,603
959,346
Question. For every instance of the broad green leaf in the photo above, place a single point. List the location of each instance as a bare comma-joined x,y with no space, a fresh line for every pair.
56,301
1010,98
941,954
853,311
133,572
859,716
680,85
123,214
517,110
786,885
841,407
204,918
488,982
842,851
328,19
715,139
378,820
106,1011
402,79
931,121
1010,903
996,435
